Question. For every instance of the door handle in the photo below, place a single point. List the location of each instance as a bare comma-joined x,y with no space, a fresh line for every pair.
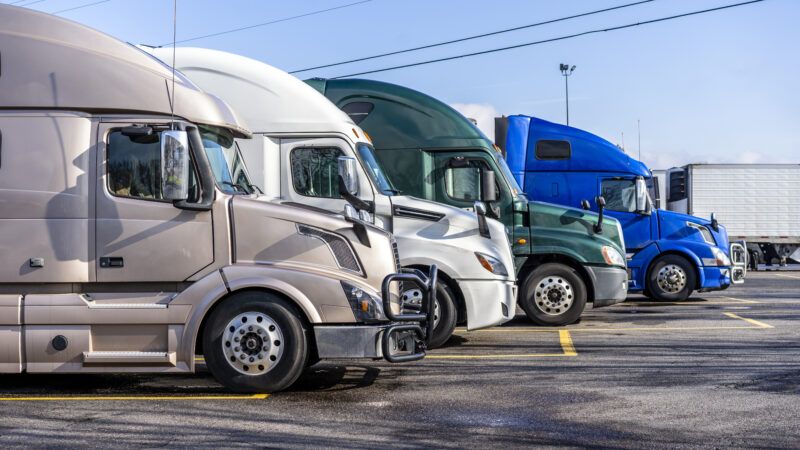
112,262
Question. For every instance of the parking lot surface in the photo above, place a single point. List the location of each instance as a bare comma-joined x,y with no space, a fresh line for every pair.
720,370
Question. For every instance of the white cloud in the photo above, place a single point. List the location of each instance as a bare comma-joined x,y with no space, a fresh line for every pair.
483,113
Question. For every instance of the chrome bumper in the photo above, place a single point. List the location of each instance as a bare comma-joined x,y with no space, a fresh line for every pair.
738,253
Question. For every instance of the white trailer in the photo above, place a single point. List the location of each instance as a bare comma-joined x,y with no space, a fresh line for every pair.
758,203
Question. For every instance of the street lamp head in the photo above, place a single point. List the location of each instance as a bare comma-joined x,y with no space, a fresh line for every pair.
563,68
572,68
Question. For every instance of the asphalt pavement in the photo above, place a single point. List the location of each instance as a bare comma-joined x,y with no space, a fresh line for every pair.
720,370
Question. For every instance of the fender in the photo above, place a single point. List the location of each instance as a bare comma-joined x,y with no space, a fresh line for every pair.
683,248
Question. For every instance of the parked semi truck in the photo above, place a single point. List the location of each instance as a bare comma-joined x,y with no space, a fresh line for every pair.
564,257
127,248
758,203
670,255
301,141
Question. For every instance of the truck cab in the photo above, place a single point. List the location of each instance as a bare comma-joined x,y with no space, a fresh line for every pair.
127,247
564,257
669,255
303,145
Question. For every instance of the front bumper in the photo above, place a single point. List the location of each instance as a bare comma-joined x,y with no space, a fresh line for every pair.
610,285
402,339
738,254
488,302
716,278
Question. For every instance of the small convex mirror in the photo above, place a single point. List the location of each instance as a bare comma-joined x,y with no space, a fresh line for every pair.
175,165
348,174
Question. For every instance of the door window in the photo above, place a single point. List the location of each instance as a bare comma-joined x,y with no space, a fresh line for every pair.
620,195
463,182
134,167
315,171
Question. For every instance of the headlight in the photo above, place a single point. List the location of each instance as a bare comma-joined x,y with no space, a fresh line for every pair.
491,264
613,257
366,307
719,259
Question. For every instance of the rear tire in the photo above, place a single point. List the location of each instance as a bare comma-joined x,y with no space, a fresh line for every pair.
553,294
671,278
255,342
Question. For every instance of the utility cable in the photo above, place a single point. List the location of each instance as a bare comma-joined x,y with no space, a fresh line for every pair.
285,19
560,38
80,7
477,36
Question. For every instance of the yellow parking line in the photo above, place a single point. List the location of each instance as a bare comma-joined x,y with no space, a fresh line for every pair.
564,339
751,321
741,300
566,343
610,330
92,398
787,276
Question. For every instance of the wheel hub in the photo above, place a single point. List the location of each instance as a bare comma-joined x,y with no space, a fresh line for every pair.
671,278
553,295
414,297
252,343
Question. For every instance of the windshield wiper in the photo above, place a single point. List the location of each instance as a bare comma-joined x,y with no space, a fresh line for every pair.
236,186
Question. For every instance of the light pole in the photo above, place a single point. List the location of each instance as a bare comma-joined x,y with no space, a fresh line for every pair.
566,71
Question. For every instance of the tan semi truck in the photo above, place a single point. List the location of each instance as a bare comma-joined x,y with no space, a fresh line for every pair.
123,251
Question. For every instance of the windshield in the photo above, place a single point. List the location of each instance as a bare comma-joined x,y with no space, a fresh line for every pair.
226,162
515,189
367,154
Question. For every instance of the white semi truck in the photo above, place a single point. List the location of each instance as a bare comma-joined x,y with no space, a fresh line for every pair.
300,140
758,203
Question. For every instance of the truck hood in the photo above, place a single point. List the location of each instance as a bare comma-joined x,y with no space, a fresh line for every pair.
564,219
430,232
673,226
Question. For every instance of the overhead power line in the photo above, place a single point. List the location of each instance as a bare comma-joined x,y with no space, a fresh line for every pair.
477,36
544,41
27,4
285,19
80,7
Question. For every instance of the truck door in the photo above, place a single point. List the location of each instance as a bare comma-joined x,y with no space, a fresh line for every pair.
620,196
310,173
140,236
457,181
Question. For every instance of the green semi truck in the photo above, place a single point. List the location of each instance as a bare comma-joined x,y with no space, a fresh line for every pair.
564,257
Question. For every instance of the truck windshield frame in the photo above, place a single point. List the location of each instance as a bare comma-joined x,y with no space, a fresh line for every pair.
230,172
511,182
366,154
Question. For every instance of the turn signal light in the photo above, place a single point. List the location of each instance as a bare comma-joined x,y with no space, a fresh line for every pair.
522,241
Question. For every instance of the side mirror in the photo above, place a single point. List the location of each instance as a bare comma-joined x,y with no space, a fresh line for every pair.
714,222
641,195
488,186
348,174
175,165
585,205
601,205
483,226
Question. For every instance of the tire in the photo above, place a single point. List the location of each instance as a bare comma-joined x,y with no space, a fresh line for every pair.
445,311
671,278
269,315
567,301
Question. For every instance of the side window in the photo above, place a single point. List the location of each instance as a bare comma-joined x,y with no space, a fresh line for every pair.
134,167
315,171
553,150
620,195
463,182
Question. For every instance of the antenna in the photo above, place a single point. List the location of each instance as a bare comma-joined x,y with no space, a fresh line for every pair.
174,34
639,132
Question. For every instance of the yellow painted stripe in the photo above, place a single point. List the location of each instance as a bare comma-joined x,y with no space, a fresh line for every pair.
498,356
93,398
752,321
741,300
566,343
787,276
608,330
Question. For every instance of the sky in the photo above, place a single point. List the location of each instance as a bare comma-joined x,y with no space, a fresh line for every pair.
715,88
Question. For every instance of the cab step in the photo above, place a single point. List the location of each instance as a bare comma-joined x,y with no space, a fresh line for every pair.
129,358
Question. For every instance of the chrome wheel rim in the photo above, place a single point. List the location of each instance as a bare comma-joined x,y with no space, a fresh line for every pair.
252,343
554,295
671,278
414,297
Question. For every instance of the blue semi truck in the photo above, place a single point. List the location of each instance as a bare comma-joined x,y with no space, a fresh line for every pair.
669,254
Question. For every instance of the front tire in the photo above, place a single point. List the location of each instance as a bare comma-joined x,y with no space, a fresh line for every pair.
255,342
671,278
445,313
553,294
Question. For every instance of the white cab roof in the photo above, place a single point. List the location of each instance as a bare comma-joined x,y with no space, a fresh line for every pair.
269,100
